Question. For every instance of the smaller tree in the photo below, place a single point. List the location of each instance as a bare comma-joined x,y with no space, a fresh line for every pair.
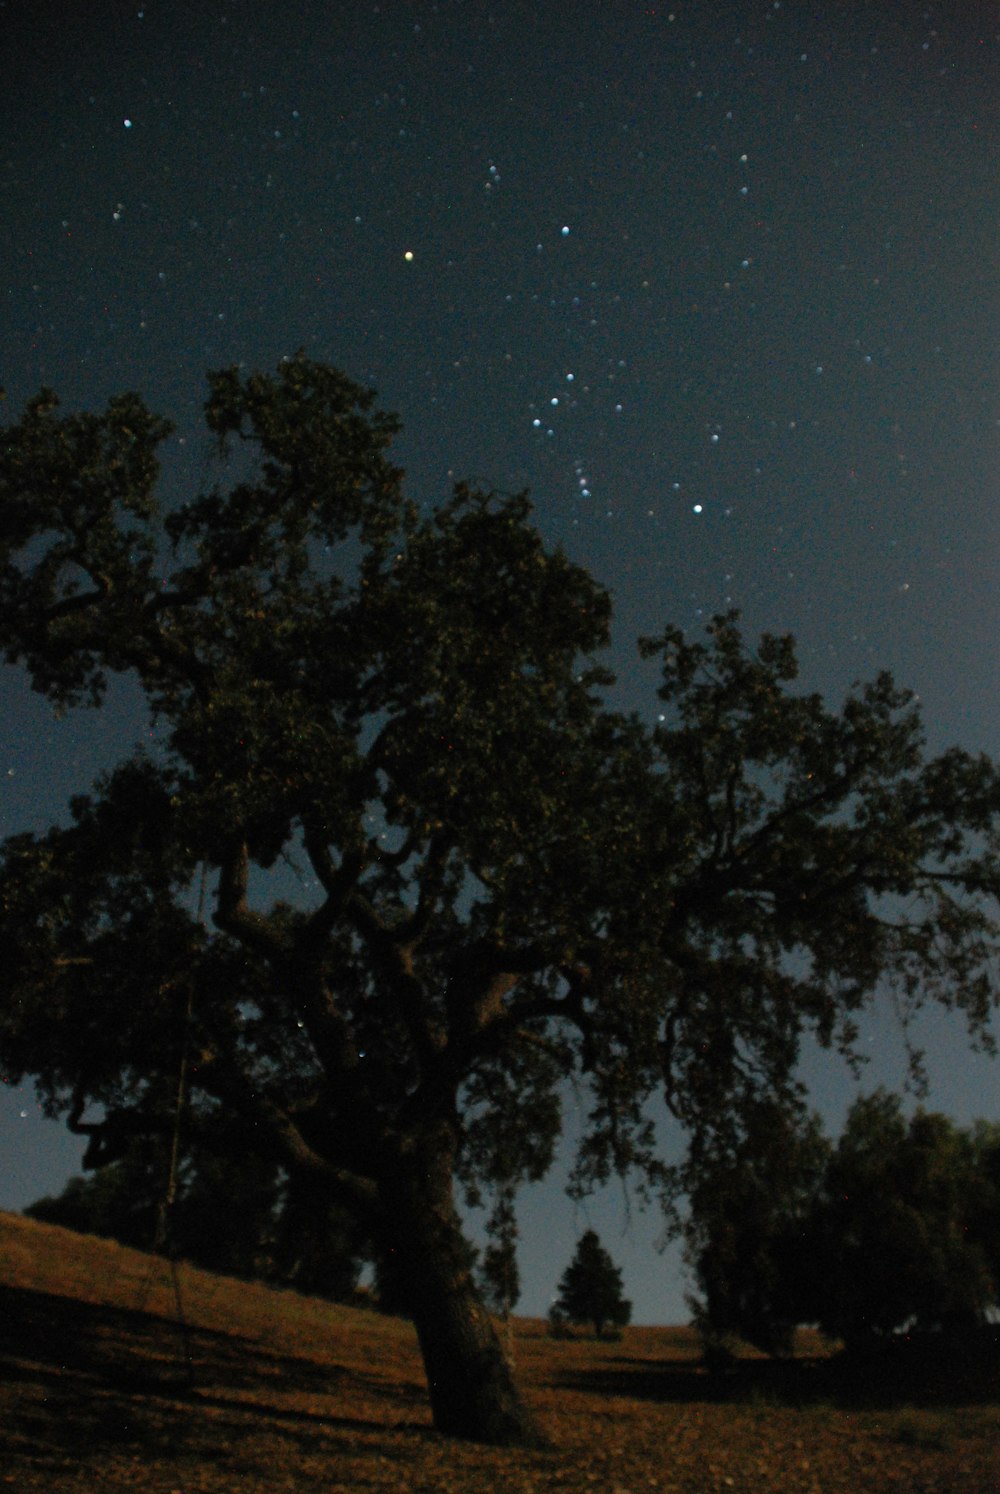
752,1206
591,1288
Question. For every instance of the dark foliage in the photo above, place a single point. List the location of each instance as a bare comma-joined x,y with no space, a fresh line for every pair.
896,1227
750,1213
236,1214
499,1274
441,873
590,1290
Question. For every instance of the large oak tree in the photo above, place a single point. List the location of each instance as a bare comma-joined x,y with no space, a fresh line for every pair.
502,881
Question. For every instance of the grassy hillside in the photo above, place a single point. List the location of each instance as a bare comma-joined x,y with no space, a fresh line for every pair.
101,1389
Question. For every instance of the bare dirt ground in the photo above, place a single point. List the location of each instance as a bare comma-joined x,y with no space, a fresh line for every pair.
102,1390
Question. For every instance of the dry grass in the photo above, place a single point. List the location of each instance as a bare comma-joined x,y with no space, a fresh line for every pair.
280,1392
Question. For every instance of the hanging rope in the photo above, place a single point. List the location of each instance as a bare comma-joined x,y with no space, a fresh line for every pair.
162,1244
167,1202
161,1239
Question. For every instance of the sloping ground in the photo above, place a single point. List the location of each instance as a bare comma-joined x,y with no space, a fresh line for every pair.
102,1389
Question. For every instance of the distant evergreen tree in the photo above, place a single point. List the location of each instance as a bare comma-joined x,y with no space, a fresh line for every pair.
591,1288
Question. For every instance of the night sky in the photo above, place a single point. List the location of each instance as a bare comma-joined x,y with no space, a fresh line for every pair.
719,283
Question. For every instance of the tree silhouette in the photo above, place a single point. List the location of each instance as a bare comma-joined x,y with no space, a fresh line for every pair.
893,1235
590,1290
751,1212
235,1214
895,1226
442,874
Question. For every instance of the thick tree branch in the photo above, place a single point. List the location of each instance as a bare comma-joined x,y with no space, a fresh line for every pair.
484,1023
338,882
396,963
233,914
108,1139
223,1078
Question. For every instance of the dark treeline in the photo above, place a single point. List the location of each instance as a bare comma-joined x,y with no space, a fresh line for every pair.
894,1227
240,1215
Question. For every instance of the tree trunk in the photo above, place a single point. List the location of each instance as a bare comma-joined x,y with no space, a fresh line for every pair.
473,1393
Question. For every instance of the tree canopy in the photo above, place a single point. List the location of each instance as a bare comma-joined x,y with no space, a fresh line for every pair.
441,873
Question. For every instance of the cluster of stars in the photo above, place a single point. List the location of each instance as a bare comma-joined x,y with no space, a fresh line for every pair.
720,275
